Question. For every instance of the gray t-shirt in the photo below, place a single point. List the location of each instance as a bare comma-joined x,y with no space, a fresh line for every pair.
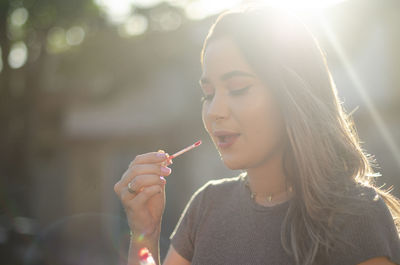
221,224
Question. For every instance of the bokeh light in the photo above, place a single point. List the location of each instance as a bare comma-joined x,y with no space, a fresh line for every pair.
117,11
300,4
167,20
18,55
75,35
57,40
200,9
146,3
19,16
135,25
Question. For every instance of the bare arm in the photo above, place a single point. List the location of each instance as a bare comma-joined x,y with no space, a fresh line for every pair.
137,242
142,193
377,261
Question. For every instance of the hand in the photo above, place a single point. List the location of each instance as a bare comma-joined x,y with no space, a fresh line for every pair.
145,206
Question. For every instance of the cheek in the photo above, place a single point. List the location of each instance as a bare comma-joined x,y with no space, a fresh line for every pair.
262,121
204,117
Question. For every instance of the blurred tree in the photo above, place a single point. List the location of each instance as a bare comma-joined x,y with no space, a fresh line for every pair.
30,31
33,24
39,38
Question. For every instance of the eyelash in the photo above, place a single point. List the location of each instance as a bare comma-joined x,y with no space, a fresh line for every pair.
236,92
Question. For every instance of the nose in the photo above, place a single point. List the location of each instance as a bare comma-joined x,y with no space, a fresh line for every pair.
218,109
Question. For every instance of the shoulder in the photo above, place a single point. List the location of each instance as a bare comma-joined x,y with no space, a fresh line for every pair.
370,231
370,211
208,197
216,187
371,203
215,191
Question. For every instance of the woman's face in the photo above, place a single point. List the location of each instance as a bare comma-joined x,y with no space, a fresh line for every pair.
239,111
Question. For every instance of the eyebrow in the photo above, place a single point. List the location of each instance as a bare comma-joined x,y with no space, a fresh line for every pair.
227,75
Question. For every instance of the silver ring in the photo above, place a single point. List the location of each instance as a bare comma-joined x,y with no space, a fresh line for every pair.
130,188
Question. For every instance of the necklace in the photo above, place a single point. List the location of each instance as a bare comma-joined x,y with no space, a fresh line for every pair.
269,197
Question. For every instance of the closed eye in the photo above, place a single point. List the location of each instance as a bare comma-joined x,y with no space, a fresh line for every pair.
240,91
235,92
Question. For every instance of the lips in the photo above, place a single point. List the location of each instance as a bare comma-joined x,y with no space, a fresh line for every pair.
225,139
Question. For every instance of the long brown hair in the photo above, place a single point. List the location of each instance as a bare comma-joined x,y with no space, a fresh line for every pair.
323,160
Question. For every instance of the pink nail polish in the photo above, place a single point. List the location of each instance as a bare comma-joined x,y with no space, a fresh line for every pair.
161,155
165,170
163,180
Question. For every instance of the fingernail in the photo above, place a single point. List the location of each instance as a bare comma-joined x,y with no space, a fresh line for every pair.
161,155
165,170
163,180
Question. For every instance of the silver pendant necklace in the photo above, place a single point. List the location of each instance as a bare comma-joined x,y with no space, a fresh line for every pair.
268,196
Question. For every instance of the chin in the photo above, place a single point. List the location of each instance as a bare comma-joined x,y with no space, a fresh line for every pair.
233,164
234,167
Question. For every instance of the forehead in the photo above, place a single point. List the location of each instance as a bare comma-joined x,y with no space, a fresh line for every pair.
223,55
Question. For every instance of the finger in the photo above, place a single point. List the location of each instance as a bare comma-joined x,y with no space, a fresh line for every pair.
148,169
166,162
149,158
141,181
127,197
147,193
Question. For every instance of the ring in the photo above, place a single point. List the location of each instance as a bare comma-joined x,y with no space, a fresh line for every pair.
130,188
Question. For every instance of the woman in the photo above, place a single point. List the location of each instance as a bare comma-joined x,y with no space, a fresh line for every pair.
307,195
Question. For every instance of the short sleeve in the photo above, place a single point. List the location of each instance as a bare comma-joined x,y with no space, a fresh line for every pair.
183,236
372,235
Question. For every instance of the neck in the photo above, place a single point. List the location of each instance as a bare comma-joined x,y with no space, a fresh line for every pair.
268,177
